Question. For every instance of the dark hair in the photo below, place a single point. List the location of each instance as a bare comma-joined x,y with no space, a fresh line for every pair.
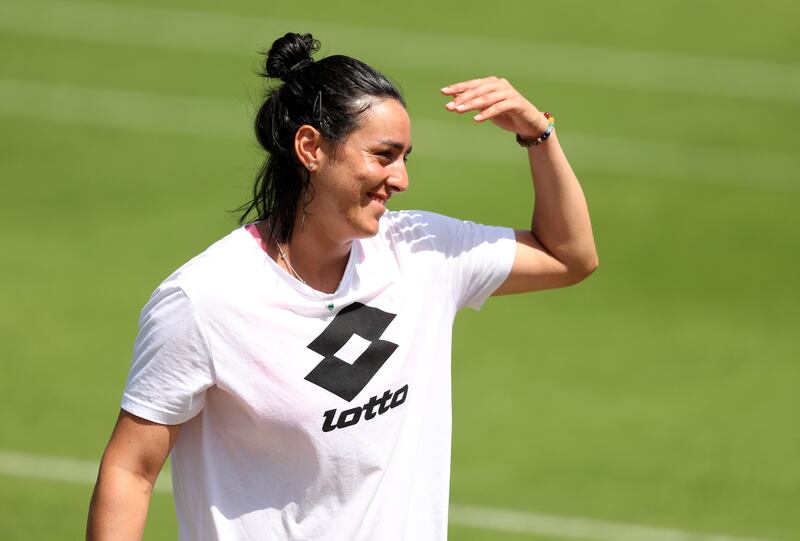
332,95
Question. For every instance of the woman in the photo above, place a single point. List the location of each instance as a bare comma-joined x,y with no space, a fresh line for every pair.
298,369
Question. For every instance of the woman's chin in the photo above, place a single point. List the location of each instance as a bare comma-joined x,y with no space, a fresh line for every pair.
368,228
370,231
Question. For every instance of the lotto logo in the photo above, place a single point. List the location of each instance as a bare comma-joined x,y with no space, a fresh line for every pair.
344,379
375,406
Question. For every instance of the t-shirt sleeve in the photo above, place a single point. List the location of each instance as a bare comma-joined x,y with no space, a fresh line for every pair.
172,365
473,259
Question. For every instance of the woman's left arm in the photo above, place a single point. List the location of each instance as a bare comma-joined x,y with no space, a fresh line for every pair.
559,248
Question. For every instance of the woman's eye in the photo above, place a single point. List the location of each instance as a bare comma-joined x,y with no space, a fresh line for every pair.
388,156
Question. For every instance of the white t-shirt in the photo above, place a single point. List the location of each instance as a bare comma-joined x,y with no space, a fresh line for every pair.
305,421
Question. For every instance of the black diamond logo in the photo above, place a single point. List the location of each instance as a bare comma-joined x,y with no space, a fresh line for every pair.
343,379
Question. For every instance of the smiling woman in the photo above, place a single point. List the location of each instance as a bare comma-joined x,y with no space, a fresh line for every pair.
360,174
299,368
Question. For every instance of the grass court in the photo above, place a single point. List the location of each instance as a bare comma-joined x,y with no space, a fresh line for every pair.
662,392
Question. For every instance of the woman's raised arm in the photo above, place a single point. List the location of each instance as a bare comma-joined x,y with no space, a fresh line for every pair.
559,248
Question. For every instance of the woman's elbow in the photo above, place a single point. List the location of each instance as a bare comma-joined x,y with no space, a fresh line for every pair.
580,270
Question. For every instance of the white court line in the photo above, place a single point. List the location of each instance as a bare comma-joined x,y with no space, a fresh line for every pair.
571,527
205,117
54,468
218,32
29,466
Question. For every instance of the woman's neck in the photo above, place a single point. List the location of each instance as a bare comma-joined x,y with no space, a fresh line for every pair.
313,256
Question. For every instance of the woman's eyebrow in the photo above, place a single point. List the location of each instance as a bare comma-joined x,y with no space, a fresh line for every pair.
395,144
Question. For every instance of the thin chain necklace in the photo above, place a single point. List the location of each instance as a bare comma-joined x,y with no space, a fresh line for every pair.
328,305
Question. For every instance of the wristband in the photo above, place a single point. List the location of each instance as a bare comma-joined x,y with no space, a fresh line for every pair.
531,142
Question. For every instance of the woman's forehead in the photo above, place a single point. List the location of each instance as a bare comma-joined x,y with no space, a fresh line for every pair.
386,120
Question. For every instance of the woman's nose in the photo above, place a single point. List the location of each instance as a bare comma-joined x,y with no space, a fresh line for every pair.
398,180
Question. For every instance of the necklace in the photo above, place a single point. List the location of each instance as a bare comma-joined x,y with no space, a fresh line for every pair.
328,305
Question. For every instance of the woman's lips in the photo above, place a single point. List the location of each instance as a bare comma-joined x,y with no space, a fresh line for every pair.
378,199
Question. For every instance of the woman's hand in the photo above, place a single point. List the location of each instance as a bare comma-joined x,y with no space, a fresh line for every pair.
558,250
496,100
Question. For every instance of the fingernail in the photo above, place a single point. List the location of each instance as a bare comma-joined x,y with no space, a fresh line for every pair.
477,117
445,89
450,105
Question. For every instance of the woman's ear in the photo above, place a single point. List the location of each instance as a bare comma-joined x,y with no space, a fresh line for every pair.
307,141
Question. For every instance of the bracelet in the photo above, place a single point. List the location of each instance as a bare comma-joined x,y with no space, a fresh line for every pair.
530,142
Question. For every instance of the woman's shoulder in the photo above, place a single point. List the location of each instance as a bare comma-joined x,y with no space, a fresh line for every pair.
422,225
414,223
418,232
219,262
423,230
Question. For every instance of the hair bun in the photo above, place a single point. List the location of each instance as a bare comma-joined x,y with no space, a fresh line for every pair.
289,53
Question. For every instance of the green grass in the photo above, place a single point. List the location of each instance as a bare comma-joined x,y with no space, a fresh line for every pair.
35,509
660,392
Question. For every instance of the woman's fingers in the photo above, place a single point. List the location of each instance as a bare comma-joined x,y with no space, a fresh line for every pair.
463,86
496,100
484,88
480,86
480,101
495,110
478,94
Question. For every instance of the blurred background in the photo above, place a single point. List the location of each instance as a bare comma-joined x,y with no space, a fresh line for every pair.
658,400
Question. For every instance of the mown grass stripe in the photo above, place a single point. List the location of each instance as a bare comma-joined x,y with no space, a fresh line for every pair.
124,109
189,116
218,32
29,466
571,527
54,468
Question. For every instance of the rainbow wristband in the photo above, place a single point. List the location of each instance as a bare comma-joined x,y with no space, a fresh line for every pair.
529,142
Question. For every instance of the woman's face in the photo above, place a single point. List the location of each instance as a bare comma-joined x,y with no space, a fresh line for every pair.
353,184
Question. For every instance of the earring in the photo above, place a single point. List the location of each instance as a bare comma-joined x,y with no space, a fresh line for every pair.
312,166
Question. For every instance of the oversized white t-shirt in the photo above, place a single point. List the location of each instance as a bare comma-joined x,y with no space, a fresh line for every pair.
311,416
